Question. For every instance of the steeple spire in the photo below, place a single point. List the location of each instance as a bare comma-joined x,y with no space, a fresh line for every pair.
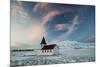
43,41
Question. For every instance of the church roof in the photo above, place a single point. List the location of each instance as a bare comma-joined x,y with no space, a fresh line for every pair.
49,46
43,41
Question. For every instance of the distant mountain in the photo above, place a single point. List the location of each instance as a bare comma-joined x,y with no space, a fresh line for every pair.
75,45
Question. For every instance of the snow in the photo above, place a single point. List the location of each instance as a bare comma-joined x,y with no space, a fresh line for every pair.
74,45
69,52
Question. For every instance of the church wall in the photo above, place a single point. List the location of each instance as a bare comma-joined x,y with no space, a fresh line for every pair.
47,52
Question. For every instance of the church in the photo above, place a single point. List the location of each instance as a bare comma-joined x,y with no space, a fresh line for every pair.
48,49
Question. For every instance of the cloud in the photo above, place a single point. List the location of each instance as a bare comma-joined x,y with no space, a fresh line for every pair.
39,6
48,16
47,11
69,30
72,27
61,27
18,10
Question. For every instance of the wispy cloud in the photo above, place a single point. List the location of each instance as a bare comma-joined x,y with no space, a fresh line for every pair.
70,29
39,6
48,11
61,27
18,10
73,27
48,16
51,13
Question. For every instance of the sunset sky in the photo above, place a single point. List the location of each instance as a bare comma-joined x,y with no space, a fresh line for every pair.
30,21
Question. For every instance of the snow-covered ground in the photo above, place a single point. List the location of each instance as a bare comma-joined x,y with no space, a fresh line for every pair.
69,52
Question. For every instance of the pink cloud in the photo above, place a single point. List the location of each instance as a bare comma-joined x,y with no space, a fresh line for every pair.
39,6
48,16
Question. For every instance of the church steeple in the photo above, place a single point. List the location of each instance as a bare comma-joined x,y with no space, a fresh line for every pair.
43,42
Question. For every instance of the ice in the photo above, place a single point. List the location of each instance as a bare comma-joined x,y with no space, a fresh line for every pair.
69,52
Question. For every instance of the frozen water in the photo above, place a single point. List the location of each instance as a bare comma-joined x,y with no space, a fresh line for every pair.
69,52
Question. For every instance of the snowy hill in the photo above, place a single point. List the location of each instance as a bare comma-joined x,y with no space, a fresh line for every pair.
69,45
74,48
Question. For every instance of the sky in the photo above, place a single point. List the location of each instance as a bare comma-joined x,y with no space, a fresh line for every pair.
30,21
